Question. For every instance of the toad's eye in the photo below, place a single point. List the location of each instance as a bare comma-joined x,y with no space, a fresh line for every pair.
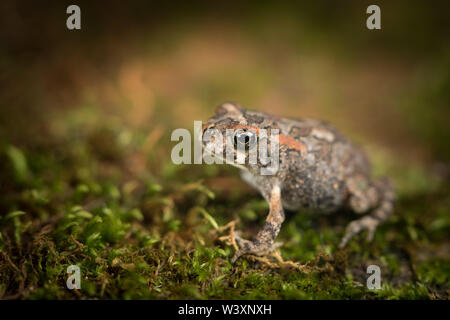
244,139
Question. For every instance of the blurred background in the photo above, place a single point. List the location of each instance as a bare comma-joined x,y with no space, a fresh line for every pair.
158,66
86,115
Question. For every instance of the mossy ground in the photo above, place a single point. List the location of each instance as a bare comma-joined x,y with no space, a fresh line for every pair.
140,235
86,177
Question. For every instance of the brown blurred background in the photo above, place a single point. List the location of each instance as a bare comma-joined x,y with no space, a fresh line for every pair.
160,65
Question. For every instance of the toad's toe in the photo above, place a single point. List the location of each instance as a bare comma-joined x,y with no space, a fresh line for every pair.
365,223
254,247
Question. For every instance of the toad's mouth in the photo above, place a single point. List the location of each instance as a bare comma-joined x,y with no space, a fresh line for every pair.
209,149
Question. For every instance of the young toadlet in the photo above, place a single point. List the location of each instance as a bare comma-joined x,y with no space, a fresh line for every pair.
319,170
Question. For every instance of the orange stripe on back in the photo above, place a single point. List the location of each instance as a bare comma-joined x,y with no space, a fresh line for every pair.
292,143
284,140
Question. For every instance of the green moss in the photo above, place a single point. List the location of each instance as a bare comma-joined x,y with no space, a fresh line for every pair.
150,236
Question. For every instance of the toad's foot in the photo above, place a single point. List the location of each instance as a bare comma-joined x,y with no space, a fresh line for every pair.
368,223
256,247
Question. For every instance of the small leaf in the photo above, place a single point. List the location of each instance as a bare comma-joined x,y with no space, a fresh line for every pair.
209,218
19,162
13,214
84,214
136,214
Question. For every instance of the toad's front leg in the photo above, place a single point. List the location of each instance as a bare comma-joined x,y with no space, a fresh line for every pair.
264,241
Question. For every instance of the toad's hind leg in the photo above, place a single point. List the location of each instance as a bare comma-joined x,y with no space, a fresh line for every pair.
378,196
